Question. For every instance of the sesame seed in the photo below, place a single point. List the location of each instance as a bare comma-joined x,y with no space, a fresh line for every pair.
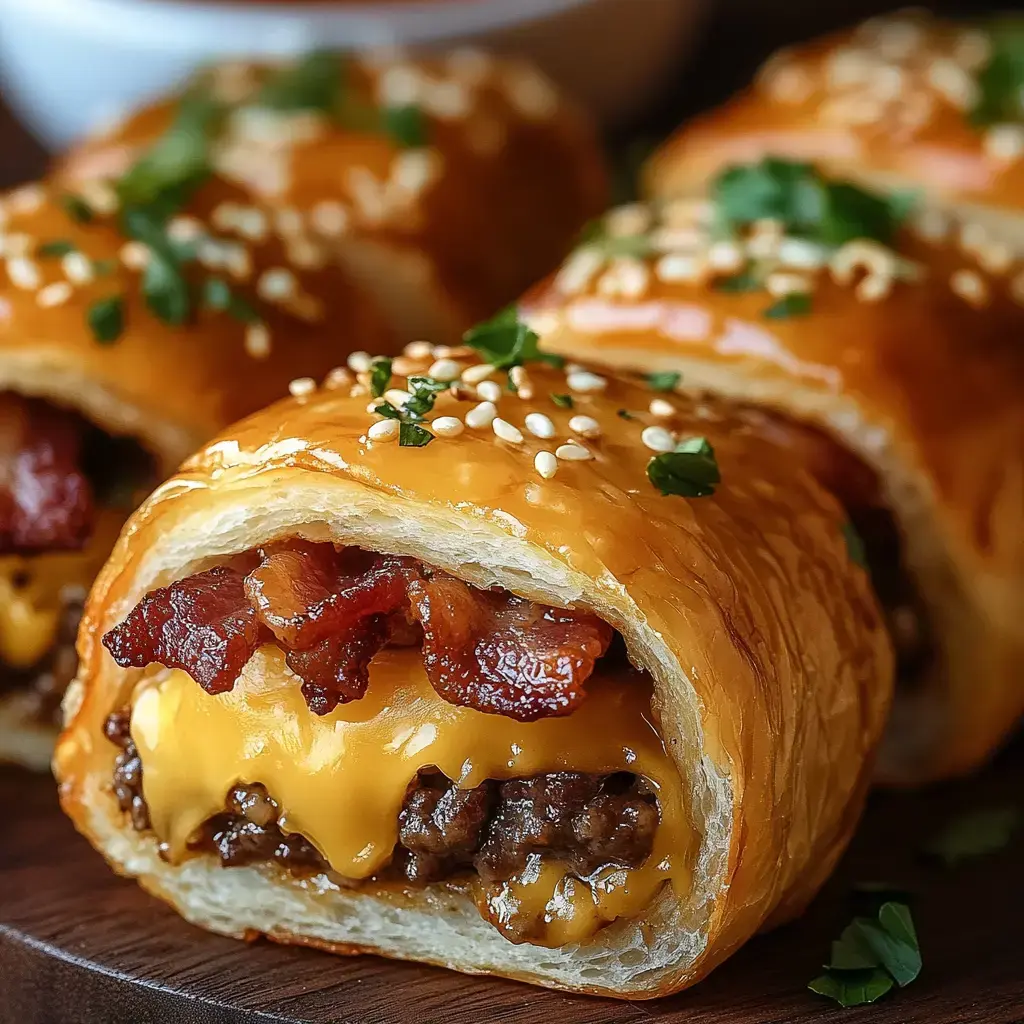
252,224
687,212
662,409
1004,142
338,377
55,294
444,369
764,240
23,273
238,262
585,426
972,49
995,257
725,257
288,221
932,225
781,284
329,218
384,430
414,169
397,397
680,268
953,83
17,243
471,65
578,271
359,362
257,341
506,431
481,415
185,229
419,350
134,255
626,221
400,85
447,426
27,199
305,254
626,277
477,373
540,425
873,288
100,196
77,267
800,254
970,286
448,100
276,284
546,464
658,439
373,405
521,381
489,390
861,254
530,93
403,366
224,215
585,382
302,386
573,452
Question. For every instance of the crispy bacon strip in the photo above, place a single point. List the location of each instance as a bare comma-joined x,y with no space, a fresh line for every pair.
46,503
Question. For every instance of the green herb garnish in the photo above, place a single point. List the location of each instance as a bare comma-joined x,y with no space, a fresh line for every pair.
745,281
595,236
870,957
313,82
380,376
58,247
562,401
974,834
505,341
424,393
663,381
855,545
794,304
106,319
76,208
218,294
690,471
104,268
406,125
624,414
1001,81
412,435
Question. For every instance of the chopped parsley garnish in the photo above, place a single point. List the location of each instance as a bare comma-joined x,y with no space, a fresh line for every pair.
870,957
624,414
595,236
76,208
218,294
380,376
106,319
58,247
505,341
313,82
691,471
562,401
406,125
974,834
1001,81
412,435
104,268
424,392
664,380
794,304
855,545
745,281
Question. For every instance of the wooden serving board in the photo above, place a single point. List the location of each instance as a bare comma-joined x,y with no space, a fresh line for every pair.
79,945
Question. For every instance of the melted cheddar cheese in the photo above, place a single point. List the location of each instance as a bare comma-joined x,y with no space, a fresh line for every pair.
32,589
340,780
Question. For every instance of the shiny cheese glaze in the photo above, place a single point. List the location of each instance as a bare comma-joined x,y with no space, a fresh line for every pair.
340,780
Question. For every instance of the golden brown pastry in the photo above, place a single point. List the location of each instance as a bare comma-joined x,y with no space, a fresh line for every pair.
364,676
118,357
904,101
446,184
891,364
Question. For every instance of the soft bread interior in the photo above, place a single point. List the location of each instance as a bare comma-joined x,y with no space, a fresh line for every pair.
634,957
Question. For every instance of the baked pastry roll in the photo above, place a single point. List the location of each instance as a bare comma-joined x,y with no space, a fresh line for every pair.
446,184
903,101
497,692
890,364
118,357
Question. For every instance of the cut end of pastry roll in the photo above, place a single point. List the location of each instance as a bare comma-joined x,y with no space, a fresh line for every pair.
407,169
118,357
887,360
905,101
669,649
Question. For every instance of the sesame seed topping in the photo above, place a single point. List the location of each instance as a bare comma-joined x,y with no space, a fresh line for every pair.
77,267
873,288
100,196
489,390
573,452
578,271
288,221
531,94
680,268
626,277
257,341
329,218
27,199
520,379
662,409
970,286
447,426
384,430
302,386
725,257
585,426
17,243
397,397
55,294
339,377
481,415
444,369
658,439
413,170
546,464
477,373
801,254
185,229
1004,142
781,284
23,273
373,405
585,382
359,362
540,425
995,257
276,284
134,255
506,431
403,366
861,254
626,221
252,224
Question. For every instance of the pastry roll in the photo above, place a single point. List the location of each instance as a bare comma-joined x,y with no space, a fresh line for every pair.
889,362
481,680
118,357
446,184
904,101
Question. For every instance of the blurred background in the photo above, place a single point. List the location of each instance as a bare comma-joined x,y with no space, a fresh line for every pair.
640,65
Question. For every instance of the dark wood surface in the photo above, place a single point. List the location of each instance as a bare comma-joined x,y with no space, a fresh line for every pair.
80,945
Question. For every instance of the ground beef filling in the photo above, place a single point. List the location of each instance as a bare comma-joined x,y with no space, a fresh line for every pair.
582,821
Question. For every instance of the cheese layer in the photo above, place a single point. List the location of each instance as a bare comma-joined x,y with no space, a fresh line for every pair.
340,780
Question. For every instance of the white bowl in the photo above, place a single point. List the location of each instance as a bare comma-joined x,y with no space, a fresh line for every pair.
68,65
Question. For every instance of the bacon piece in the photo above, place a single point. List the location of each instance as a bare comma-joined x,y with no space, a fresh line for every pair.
202,624
504,655
337,670
46,503
305,593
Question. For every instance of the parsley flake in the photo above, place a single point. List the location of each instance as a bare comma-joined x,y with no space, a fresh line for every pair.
405,125
218,294
855,545
562,401
505,341
1001,81
412,435
313,82
691,471
424,393
380,376
745,281
794,304
106,319
624,414
76,208
58,247
663,381
974,834
595,236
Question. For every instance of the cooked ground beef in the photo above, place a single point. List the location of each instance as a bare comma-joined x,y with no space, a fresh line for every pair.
582,821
